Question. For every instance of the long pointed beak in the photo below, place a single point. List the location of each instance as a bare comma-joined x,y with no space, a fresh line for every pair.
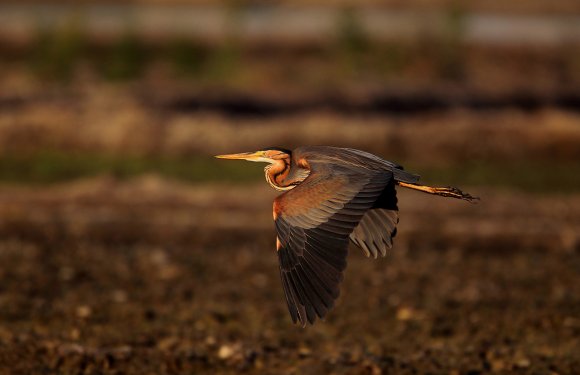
252,156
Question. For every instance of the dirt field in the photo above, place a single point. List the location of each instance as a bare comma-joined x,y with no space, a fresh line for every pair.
108,269
149,276
126,248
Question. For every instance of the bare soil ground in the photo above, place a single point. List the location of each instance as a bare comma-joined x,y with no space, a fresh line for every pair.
150,276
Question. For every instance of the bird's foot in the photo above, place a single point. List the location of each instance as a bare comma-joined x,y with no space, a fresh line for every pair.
453,192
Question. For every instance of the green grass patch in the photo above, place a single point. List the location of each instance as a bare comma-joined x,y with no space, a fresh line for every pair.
53,166
56,54
126,59
530,176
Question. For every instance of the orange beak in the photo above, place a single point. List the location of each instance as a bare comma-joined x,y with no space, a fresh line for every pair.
250,156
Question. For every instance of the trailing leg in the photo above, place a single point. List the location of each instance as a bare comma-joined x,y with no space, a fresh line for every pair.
448,191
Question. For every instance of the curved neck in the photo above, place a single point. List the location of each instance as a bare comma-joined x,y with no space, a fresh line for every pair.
277,173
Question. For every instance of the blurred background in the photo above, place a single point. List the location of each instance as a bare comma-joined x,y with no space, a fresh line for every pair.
126,248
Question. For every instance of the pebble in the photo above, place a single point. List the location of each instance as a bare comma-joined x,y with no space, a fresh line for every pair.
66,273
497,365
167,343
119,296
83,311
225,352
522,362
304,352
68,349
75,334
405,313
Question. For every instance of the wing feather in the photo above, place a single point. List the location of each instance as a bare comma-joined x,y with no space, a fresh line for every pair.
374,234
314,221
375,231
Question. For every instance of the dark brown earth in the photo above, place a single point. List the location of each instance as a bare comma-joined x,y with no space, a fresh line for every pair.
152,277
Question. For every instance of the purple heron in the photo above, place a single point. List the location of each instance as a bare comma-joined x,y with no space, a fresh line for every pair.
331,195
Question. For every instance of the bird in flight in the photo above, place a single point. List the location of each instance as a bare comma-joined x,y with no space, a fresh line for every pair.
331,195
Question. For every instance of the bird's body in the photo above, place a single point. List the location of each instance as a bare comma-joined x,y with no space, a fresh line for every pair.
331,195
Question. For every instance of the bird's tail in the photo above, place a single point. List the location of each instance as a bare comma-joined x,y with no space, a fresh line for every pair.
447,191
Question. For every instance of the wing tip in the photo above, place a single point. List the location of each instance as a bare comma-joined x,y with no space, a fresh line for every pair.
309,321
304,310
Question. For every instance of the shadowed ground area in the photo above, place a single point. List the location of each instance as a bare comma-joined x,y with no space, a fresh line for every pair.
150,276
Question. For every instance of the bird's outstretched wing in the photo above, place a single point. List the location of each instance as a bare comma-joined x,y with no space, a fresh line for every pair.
313,223
374,233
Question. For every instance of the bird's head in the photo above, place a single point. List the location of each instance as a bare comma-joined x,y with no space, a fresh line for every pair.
268,155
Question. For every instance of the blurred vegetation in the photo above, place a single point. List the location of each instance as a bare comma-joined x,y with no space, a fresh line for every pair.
353,45
125,59
57,54
451,55
187,58
541,176
225,57
55,166
48,167
353,55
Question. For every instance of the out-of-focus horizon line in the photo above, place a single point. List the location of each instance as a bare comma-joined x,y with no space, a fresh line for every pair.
318,23
527,7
